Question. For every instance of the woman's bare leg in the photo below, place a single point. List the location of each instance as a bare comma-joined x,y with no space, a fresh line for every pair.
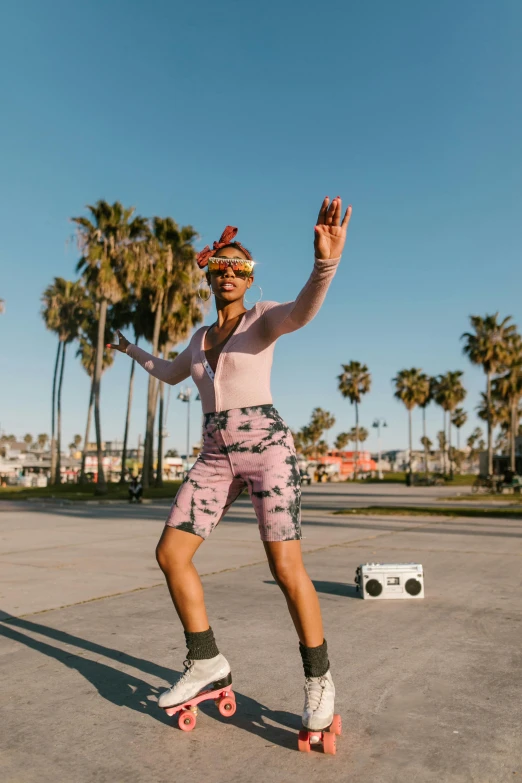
286,564
174,554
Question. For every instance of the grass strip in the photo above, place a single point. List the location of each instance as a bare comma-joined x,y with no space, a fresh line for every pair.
399,477
513,500
83,492
442,511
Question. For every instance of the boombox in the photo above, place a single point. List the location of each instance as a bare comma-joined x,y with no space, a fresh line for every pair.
390,580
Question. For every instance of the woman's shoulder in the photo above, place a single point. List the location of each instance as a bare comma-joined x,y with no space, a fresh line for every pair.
263,307
196,337
197,333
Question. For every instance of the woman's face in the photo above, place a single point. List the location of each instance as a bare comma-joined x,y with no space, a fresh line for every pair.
228,285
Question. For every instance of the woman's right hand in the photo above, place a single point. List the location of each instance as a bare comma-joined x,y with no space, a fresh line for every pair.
122,345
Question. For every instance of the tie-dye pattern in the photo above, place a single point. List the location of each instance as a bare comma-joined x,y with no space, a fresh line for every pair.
243,447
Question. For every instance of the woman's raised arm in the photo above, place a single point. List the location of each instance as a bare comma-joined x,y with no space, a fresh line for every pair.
330,236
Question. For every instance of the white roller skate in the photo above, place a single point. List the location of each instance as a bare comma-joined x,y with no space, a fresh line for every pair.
210,674
320,724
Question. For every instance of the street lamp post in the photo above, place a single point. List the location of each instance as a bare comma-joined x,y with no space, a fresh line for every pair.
378,423
184,396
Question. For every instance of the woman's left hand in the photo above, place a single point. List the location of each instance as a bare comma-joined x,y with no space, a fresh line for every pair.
330,233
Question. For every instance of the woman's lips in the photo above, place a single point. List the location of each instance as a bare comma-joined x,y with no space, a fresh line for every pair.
227,286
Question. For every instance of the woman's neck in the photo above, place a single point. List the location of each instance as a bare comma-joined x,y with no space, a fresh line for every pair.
229,312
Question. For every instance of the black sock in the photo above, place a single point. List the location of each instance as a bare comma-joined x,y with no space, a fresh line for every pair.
201,645
315,659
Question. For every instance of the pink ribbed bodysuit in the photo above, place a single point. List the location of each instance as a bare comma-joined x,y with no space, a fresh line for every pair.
242,377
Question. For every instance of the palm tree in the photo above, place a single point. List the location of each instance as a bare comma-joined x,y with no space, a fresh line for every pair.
109,241
497,411
458,419
443,445
320,421
171,355
411,387
308,440
509,387
321,449
301,441
358,434
87,352
130,311
424,401
165,273
342,441
426,444
487,346
354,382
28,439
50,314
472,443
64,306
42,440
449,391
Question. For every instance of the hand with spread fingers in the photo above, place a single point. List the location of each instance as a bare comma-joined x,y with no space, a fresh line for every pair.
330,233
122,345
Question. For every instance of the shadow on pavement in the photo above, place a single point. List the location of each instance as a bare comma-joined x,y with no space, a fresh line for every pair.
126,690
332,588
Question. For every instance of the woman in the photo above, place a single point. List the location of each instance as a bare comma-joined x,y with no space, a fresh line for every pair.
245,443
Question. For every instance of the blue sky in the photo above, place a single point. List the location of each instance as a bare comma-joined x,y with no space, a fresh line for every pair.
249,114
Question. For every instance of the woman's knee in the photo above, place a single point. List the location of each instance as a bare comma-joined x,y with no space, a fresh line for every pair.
169,560
287,573
162,557
176,549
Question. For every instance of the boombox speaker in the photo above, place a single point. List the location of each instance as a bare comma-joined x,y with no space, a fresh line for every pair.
390,580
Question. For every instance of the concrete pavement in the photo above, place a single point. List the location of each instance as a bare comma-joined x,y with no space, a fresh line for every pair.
428,690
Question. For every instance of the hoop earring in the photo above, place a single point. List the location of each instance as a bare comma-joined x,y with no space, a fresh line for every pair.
260,294
204,298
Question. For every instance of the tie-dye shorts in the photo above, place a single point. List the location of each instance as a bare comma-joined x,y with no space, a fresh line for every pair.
243,447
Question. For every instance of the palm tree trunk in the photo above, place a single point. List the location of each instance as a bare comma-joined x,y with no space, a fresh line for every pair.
356,456
425,441
127,421
53,414
83,477
159,471
449,448
410,442
490,442
58,473
101,484
445,445
514,428
148,448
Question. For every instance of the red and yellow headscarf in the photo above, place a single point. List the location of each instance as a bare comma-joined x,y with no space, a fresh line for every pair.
205,257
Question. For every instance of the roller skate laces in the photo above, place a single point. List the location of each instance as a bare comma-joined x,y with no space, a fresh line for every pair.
314,691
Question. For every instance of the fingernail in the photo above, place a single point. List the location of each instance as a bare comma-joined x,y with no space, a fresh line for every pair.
316,228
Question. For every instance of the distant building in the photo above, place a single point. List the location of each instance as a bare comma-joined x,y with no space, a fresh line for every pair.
344,461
